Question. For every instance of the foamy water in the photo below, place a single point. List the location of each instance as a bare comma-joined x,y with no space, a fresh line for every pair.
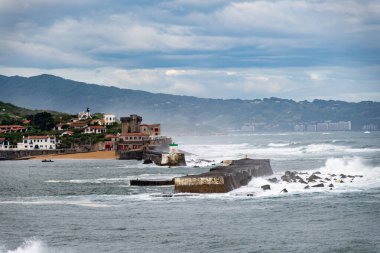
89,206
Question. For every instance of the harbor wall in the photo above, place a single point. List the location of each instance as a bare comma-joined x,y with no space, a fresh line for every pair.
26,154
223,179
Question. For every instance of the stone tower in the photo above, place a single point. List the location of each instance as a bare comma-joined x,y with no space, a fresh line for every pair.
130,124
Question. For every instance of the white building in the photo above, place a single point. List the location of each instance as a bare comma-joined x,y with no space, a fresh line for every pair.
109,119
84,115
95,130
37,142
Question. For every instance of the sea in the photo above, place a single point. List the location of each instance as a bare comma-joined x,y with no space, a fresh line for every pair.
89,205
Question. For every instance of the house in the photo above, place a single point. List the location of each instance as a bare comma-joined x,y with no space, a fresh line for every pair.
12,128
99,122
3,144
37,142
133,141
151,130
68,132
78,125
95,130
109,119
84,115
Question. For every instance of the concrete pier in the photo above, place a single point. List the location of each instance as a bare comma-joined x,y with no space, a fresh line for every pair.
165,159
223,179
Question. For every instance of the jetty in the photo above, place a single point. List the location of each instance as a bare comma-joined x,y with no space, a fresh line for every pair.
222,179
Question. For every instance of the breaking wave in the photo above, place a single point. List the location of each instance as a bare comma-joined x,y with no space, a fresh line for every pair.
346,174
31,246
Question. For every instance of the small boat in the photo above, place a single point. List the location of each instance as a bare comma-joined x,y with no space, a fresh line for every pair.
47,161
367,132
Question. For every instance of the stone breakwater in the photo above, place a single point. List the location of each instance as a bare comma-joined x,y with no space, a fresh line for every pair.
223,179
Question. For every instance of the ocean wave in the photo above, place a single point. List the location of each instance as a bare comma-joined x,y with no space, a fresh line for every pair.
56,201
31,246
346,174
218,153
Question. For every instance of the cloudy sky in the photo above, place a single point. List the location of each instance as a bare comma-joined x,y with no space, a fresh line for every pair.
207,48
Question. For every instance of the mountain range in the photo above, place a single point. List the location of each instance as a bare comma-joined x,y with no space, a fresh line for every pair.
181,114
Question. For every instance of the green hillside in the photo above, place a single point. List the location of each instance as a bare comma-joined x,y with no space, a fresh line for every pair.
182,114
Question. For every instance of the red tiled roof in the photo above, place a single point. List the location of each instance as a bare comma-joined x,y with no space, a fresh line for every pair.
134,134
97,127
2,139
110,136
10,126
37,137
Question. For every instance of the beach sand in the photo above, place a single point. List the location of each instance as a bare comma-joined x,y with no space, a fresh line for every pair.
110,155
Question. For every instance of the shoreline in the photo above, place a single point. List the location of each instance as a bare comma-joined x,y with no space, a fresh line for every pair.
95,155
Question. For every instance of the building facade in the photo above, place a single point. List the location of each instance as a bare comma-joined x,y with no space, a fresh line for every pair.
37,142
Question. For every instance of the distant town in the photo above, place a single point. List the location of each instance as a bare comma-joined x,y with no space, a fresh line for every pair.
81,132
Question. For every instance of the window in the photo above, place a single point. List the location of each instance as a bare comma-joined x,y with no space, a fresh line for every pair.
25,141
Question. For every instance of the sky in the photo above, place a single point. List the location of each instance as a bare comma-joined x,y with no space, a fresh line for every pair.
301,50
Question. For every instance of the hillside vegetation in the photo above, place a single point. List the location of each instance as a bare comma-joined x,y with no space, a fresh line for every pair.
181,113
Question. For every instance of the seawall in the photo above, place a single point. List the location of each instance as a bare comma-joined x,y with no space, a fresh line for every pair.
26,154
223,179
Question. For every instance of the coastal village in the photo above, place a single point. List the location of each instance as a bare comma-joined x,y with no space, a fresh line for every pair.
128,137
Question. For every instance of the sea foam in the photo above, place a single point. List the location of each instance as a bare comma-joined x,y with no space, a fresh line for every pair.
30,246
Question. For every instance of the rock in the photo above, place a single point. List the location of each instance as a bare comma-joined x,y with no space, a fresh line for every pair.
332,175
318,185
285,178
273,180
316,173
306,187
303,173
195,166
331,185
302,181
147,161
250,195
327,179
284,190
340,181
342,176
350,176
265,187
313,178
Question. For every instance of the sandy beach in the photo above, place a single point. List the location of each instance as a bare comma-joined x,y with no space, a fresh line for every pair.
110,155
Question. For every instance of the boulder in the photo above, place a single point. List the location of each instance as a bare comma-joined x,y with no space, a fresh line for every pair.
306,187
313,178
273,180
342,176
284,190
265,187
317,172
147,161
331,185
302,181
318,185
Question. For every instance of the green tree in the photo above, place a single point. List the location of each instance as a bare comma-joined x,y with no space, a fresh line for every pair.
43,121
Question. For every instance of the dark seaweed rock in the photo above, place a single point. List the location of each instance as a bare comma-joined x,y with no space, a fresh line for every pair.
302,181
313,178
284,190
317,172
342,176
318,185
307,187
273,180
331,185
265,187
327,179
147,161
